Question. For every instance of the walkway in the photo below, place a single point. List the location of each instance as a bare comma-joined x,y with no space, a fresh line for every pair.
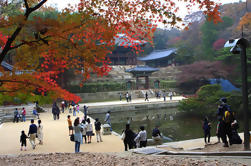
56,137
134,101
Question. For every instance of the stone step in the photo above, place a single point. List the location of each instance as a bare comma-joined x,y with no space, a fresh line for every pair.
9,118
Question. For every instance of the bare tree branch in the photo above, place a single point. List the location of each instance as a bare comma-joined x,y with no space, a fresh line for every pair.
29,42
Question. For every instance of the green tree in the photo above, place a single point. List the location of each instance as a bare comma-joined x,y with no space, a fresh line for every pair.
210,33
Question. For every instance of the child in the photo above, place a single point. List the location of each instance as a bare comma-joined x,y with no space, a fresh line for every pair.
70,124
206,127
23,138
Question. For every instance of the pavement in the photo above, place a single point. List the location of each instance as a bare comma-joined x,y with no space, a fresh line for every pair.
134,101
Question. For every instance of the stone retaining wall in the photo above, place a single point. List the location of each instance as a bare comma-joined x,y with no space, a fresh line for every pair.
132,107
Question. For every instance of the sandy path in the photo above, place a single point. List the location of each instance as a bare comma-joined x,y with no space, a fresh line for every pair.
56,138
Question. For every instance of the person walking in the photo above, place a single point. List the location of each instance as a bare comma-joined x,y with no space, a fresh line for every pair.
32,134
23,138
40,132
97,129
77,135
85,112
55,111
128,139
108,119
146,97
16,116
141,137
23,115
206,128
89,131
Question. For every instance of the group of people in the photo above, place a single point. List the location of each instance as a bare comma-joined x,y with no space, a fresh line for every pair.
158,95
72,107
132,140
35,131
226,127
21,115
82,129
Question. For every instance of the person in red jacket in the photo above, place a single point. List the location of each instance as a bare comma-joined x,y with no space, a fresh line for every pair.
23,114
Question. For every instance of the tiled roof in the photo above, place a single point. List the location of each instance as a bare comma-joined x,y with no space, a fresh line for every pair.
124,40
158,54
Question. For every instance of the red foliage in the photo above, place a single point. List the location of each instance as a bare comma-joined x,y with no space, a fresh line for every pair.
203,70
219,44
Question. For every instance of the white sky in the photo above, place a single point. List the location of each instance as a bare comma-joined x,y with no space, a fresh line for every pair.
61,4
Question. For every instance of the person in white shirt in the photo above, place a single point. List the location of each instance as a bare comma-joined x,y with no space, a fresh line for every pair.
141,137
89,131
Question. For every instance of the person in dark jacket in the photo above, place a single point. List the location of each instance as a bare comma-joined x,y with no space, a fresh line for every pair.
32,133
97,129
16,116
206,128
23,138
55,111
129,136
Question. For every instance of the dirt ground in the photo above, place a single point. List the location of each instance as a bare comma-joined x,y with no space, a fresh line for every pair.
110,159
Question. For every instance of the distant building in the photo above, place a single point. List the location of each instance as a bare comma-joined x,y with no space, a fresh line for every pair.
160,58
124,54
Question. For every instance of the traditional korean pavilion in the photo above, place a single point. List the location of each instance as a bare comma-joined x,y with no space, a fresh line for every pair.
123,53
142,71
160,58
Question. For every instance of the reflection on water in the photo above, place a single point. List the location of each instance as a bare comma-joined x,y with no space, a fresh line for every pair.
172,124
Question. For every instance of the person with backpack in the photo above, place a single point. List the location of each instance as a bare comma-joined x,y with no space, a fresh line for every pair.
206,128
225,116
98,128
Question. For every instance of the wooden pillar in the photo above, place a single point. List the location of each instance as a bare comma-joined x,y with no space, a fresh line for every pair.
137,82
147,82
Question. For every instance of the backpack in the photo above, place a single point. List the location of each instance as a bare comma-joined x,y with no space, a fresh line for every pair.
228,116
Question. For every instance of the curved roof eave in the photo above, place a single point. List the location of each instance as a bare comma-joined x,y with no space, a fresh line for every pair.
158,54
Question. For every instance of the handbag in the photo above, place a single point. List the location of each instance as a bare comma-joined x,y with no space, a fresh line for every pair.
93,134
72,137
122,136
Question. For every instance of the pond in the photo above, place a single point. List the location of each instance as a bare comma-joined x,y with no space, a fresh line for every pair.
177,126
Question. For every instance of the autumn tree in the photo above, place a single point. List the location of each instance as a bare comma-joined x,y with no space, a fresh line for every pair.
78,39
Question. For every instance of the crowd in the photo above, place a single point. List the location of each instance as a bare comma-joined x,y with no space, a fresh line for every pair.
81,130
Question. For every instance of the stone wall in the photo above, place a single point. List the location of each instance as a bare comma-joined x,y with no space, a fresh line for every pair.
132,107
